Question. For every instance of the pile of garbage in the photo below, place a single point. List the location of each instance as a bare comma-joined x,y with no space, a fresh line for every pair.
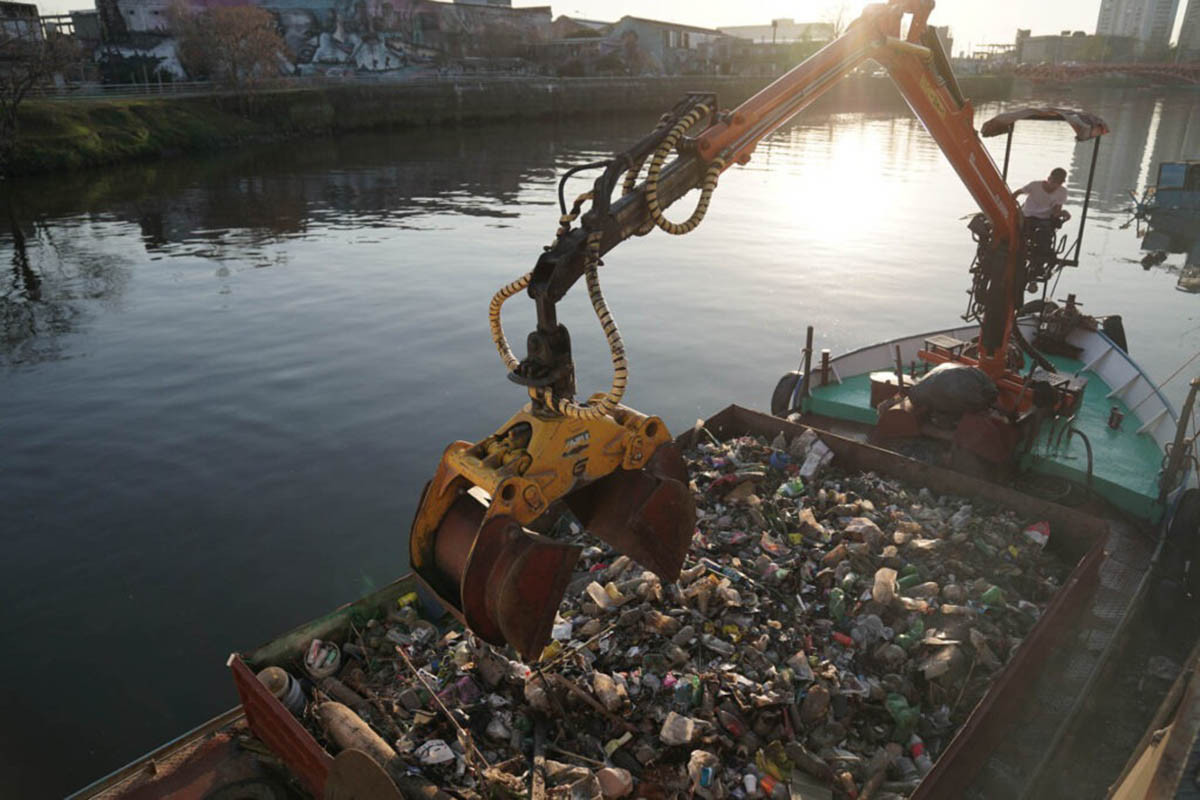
828,635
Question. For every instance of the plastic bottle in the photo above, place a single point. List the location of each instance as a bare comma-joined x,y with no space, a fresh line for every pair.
916,747
837,604
731,723
908,770
848,582
912,637
774,789
905,716
994,596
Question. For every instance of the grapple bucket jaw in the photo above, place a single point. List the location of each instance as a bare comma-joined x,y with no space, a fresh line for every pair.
647,514
621,476
503,581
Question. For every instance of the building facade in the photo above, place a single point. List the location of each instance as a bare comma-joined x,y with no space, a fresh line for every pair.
20,21
635,46
1148,21
1074,46
653,47
782,31
1189,33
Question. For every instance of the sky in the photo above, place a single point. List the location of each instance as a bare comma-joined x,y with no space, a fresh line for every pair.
972,22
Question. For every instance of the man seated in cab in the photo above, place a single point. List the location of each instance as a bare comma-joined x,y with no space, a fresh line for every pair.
1043,208
1045,199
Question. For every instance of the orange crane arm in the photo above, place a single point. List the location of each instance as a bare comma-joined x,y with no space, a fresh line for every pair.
919,67
618,470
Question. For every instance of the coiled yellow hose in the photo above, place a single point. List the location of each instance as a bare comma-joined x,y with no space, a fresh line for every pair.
605,405
498,337
656,164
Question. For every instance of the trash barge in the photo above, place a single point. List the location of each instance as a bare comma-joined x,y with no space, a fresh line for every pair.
824,647
269,745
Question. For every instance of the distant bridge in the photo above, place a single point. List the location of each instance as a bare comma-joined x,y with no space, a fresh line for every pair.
1068,73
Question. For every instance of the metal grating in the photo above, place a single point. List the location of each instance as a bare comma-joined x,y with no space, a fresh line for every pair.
1119,575
1096,640
1109,605
1126,547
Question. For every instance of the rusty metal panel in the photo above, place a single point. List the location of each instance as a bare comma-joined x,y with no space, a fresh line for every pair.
190,767
279,730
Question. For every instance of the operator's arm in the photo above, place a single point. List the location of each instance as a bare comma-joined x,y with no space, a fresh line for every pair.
1023,190
1057,211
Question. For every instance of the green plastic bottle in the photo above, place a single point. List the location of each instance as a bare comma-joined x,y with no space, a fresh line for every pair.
994,596
905,716
837,604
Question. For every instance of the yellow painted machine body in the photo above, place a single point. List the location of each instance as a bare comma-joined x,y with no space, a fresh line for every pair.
620,474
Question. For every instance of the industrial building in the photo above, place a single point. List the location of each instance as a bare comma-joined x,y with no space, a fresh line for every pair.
1148,21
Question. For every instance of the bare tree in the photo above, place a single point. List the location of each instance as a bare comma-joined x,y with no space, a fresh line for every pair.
238,46
27,63
838,15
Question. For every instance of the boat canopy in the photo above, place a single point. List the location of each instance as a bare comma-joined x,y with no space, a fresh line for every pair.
1086,125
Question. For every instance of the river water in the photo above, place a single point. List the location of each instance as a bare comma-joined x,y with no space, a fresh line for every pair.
225,379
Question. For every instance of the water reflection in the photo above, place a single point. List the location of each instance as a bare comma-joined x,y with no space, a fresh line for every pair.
49,286
390,180
1145,130
402,180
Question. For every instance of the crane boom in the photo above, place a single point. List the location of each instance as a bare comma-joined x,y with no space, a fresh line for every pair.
615,469
918,66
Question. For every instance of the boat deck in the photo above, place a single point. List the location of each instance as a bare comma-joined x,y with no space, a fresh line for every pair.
1124,462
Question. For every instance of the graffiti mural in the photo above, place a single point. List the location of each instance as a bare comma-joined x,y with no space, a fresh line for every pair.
334,37
414,38
383,35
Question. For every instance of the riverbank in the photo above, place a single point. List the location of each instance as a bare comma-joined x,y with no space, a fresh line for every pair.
72,134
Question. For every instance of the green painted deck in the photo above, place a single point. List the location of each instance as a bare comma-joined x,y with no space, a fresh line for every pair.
1125,464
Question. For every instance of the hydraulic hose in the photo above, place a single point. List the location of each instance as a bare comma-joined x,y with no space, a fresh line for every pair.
656,164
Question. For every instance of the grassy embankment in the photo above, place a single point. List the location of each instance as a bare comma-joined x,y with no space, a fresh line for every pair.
66,135
69,135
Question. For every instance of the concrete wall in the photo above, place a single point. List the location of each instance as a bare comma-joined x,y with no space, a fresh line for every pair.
68,136
368,106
